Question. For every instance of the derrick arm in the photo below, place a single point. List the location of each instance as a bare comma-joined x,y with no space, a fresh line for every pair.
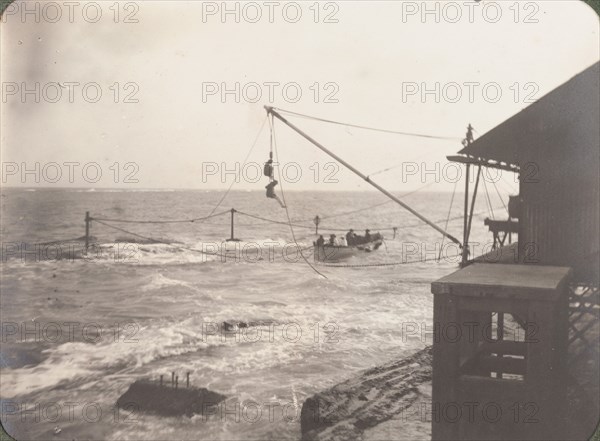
273,112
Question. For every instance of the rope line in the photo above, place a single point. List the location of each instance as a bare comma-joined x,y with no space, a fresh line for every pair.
156,240
285,203
301,250
264,219
245,160
488,200
75,239
194,250
498,193
448,219
384,264
375,205
418,135
129,221
267,220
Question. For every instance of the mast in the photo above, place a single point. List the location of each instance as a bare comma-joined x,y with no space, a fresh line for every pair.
271,111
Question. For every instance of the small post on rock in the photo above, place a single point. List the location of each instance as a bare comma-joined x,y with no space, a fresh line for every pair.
317,221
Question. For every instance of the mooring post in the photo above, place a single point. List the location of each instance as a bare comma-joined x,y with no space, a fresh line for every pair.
172,379
176,381
395,231
317,221
87,230
187,379
232,238
161,377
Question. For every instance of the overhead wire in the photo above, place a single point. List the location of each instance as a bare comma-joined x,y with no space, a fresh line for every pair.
396,132
245,160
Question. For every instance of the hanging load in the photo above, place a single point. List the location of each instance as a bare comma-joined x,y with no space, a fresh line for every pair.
268,170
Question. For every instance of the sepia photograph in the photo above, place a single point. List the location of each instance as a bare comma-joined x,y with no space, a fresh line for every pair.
300,220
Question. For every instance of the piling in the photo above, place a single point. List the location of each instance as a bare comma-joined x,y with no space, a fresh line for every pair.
232,238
88,219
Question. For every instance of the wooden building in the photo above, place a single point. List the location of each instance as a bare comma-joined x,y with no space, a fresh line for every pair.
555,145
551,286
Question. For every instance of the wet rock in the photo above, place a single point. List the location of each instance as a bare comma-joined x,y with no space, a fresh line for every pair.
16,356
348,409
149,396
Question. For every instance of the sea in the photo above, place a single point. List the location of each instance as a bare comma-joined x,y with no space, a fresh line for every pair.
256,320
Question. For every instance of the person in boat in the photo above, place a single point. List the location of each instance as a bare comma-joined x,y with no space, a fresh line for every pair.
368,236
342,241
350,237
320,241
332,240
271,192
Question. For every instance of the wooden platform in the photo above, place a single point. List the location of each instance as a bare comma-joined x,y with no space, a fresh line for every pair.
476,359
513,281
501,226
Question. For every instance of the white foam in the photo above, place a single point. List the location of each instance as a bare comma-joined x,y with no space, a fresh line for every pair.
75,360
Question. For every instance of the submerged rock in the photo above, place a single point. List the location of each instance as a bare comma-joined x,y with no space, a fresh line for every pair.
348,409
148,396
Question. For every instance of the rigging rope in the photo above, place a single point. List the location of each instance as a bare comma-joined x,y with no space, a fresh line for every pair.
286,206
400,165
508,185
488,200
501,200
447,219
419,135
374,206
245,160
211,214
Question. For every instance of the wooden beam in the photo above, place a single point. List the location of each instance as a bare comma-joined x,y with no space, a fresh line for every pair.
483,163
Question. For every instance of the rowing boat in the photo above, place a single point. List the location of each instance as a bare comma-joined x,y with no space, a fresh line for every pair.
333,253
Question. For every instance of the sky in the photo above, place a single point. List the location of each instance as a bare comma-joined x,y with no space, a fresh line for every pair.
170,94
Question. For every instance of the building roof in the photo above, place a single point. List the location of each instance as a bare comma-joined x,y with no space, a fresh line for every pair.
562,126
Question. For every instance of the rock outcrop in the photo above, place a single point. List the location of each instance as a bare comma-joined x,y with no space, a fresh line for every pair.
346,410
147,396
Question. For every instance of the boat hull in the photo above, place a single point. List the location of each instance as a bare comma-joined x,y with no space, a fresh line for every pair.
334,253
